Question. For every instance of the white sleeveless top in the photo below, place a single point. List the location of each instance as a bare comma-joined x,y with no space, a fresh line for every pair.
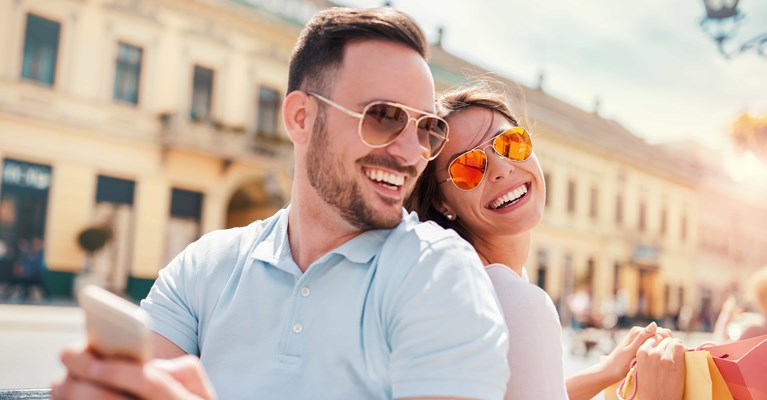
535,337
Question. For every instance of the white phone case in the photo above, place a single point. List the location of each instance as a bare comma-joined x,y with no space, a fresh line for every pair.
115,327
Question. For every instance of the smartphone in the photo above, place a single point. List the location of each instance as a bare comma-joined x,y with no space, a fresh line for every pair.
115,327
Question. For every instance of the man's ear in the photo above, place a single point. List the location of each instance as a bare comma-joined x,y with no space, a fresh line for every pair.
298,113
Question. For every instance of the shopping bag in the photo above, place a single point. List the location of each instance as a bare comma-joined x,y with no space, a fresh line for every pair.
609,393
702,381
743,365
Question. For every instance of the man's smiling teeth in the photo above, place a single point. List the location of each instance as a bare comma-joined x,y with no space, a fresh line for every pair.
383,177
509,197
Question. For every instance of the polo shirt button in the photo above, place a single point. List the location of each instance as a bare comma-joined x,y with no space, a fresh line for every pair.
298,328
305,291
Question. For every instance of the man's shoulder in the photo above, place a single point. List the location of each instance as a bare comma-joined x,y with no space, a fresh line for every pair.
234,240
424,246
429,232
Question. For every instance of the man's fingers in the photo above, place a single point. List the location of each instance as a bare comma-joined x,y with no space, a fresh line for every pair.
188,371
118,374
72,388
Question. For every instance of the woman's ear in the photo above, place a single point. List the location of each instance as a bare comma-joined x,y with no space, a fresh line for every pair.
441,206
298,113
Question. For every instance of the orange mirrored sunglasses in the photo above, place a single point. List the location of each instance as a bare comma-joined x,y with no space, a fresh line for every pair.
467,170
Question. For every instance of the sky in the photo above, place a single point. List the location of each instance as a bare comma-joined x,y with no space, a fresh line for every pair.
650,64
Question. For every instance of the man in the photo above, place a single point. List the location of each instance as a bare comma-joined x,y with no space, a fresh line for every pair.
340,295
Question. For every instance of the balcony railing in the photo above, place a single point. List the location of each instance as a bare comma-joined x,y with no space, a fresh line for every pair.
228,142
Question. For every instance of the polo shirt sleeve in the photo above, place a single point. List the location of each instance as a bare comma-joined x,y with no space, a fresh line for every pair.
169,302
446,332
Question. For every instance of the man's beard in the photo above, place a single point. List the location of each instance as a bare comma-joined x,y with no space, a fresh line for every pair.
344,194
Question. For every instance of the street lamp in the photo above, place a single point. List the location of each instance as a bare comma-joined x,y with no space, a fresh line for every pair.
722,21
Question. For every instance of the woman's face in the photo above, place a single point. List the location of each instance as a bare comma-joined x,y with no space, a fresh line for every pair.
510,199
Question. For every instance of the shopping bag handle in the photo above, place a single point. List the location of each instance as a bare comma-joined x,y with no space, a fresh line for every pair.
704,346
619,390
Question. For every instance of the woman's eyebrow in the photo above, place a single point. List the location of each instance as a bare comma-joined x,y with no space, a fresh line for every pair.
497,132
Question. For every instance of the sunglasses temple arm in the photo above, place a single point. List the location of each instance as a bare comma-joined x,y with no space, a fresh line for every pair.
338,106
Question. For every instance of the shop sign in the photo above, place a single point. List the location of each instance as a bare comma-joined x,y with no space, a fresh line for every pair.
647,255
25,175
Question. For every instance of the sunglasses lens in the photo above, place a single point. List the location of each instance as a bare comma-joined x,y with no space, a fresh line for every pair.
467,170
432,133
514,144
382,123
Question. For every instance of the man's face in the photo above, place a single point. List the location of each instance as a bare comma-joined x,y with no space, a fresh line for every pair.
367,186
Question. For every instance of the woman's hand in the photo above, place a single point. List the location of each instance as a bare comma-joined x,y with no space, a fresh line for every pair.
589,382
619,360
660,369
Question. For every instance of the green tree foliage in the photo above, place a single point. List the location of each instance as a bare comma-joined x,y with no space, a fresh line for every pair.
93,238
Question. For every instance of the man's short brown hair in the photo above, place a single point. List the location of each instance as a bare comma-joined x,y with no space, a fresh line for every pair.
319,51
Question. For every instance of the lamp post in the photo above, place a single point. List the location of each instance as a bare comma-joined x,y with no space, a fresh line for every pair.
722,21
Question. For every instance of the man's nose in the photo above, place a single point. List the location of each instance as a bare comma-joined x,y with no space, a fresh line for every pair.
407,147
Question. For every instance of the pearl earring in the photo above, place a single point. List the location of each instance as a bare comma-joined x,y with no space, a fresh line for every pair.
450,217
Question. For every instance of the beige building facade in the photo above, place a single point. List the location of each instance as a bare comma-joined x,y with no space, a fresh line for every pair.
730,241
158,118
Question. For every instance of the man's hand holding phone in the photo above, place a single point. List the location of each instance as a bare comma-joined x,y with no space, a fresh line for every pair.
115,363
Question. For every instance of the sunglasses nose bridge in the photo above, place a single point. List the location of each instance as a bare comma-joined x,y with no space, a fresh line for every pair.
500,167
405,141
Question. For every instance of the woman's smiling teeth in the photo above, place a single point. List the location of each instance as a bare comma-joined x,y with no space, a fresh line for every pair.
509,198
385,179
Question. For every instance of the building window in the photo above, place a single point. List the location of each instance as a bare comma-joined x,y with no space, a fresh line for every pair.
568,283
23,210
683,229
114,208
663,221
619,209
590,271
184,226
202,93
594,202
547,181
543,261
127,73
642,216
268,112
41,47
571,196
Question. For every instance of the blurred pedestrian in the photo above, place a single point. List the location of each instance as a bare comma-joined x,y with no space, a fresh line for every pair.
580,305
740,319
28,268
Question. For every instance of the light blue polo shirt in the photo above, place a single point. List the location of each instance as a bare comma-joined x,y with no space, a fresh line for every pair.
392,313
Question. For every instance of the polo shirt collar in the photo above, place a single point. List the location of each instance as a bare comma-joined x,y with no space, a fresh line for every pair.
274,246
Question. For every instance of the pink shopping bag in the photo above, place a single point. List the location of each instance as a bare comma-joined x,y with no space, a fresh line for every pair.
743,365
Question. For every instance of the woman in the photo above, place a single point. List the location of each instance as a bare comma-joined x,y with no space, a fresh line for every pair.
487,185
